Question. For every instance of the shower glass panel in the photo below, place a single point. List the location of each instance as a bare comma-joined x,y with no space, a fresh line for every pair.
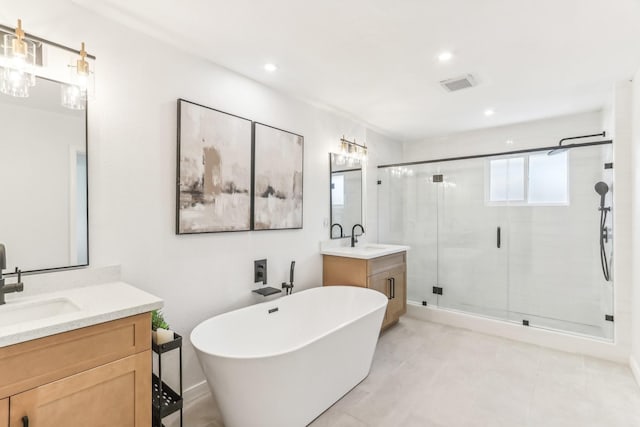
555,277
472,258
517,237
408,215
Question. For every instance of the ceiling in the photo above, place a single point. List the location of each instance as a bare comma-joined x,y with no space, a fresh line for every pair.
376,60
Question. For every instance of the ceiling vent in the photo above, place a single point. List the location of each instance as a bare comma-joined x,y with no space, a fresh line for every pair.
458,83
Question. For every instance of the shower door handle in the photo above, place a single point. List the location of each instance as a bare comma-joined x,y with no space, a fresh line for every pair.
498,238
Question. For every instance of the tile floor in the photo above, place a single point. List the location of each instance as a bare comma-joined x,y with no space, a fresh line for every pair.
426,374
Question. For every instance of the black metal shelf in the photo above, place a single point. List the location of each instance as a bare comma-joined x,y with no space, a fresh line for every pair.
165,401
173,344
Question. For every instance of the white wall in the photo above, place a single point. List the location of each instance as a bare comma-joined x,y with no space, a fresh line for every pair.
540,133
132,167
635,214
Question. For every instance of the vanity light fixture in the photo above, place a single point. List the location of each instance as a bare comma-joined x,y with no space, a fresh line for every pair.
16,63
350,151
22,58
74,95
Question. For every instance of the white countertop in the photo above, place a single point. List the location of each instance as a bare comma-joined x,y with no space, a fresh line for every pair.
87,306
365,250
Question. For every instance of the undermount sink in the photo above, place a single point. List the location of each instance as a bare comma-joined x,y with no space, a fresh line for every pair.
372,247
20,312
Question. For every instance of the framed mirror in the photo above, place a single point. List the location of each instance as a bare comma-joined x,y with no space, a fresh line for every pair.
346,195
43,171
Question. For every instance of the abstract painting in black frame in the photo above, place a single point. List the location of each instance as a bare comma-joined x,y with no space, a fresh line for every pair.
214,171
278,173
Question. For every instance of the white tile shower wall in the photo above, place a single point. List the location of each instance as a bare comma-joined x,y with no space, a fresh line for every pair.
635,215
540,134
132,167
622,214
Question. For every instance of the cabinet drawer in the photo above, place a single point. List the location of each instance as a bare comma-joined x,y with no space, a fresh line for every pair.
387,262
33,363
344,271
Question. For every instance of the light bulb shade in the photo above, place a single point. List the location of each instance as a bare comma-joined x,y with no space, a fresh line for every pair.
17,66
81,75
73,97
15,83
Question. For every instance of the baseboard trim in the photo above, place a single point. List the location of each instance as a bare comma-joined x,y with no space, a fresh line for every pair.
635,368
195,391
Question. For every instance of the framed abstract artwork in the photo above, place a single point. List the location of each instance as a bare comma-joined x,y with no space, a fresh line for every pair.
214,171
278,170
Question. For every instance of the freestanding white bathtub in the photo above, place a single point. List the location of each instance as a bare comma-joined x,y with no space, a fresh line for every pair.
282,363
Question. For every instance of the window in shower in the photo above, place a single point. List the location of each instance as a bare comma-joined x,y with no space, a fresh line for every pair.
534,179
506,180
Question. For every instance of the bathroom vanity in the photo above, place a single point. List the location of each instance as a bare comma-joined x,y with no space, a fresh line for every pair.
379,267
74,365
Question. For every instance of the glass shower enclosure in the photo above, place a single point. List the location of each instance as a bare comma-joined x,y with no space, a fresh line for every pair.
523,237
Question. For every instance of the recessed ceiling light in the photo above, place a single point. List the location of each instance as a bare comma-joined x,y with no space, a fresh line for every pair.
445,56
270,67
509,142
489,112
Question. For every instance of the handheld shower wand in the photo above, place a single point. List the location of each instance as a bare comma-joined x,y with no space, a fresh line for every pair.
602,189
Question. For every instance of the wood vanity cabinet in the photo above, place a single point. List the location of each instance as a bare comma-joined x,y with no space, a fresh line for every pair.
386,274
94,376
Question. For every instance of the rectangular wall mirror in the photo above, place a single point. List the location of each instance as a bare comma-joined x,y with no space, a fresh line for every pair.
346,195
43,171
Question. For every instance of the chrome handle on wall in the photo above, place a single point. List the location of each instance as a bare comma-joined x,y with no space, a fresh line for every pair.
498,238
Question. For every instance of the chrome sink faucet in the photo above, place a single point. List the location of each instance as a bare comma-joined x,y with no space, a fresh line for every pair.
354,238
14,287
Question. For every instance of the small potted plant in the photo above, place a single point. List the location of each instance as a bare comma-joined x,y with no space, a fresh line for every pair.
160,328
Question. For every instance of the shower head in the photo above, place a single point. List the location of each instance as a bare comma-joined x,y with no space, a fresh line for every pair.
602,189
562,149
557,151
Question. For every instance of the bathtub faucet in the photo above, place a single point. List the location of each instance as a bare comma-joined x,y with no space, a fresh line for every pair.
288,287
354,238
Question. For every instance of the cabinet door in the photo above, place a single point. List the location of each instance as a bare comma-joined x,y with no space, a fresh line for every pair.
380,282
115,394
398,304
4,413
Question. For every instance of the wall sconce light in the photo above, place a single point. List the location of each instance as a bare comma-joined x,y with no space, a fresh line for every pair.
74,95
22,57
350,151
16,63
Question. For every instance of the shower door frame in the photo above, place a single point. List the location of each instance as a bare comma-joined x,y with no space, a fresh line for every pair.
506,154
